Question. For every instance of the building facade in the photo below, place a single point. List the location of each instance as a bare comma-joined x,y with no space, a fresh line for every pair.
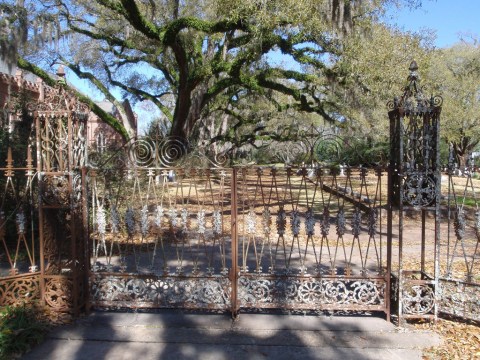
16,83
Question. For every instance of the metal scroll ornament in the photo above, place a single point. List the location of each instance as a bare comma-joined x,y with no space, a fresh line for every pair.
141,153
162,292
419,189
305,293
418,299
166,152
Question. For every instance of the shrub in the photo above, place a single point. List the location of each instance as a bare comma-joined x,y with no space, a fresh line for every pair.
20,329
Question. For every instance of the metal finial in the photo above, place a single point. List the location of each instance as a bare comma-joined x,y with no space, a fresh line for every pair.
413,77
413,66
61,71
61,75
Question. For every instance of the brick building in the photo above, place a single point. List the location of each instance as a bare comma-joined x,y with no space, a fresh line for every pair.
14,81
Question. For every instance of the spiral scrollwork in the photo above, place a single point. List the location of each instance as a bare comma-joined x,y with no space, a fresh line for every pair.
436,101
220,159
171,150
141,153
391,105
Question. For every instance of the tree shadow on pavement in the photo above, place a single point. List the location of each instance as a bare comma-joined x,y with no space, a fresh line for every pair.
174,334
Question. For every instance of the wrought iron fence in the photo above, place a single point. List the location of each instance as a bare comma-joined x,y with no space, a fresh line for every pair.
459,277
160,223
234,239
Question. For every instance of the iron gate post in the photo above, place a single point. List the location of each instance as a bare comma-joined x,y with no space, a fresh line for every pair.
234,232
415,186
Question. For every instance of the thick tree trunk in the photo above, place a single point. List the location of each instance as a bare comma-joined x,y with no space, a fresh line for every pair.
463,150
187,111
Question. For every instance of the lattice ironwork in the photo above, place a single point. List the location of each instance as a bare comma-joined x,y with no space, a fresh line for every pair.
459,277
459,299
168,225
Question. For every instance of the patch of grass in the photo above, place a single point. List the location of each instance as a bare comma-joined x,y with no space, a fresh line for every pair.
20,329
469,201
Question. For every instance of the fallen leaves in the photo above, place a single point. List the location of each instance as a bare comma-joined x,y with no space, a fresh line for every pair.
460,340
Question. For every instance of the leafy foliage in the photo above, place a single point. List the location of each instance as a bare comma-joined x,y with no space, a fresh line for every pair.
456,72
378,66
20,329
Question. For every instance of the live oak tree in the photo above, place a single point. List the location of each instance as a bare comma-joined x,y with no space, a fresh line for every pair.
189,57
456,70
377,64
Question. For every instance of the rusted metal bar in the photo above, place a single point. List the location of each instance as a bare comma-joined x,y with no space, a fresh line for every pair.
41,219
73,217
234,232
422,249
436,128
86,242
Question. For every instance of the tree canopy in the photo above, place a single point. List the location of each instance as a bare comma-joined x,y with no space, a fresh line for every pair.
456,71
191,57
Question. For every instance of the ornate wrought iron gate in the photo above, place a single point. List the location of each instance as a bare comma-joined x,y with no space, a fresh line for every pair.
235,238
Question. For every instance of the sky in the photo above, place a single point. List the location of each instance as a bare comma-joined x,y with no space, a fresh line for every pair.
449,19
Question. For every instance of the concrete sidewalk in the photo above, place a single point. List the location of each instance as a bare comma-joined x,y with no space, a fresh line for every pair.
177,335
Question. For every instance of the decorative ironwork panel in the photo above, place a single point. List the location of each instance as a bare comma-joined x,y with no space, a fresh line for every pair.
161,221
19,256
460,299
312,293
305,204
19,289
61,141
171,225
59,295
54,138
79,140
151,291
415,126
459,286
417,298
